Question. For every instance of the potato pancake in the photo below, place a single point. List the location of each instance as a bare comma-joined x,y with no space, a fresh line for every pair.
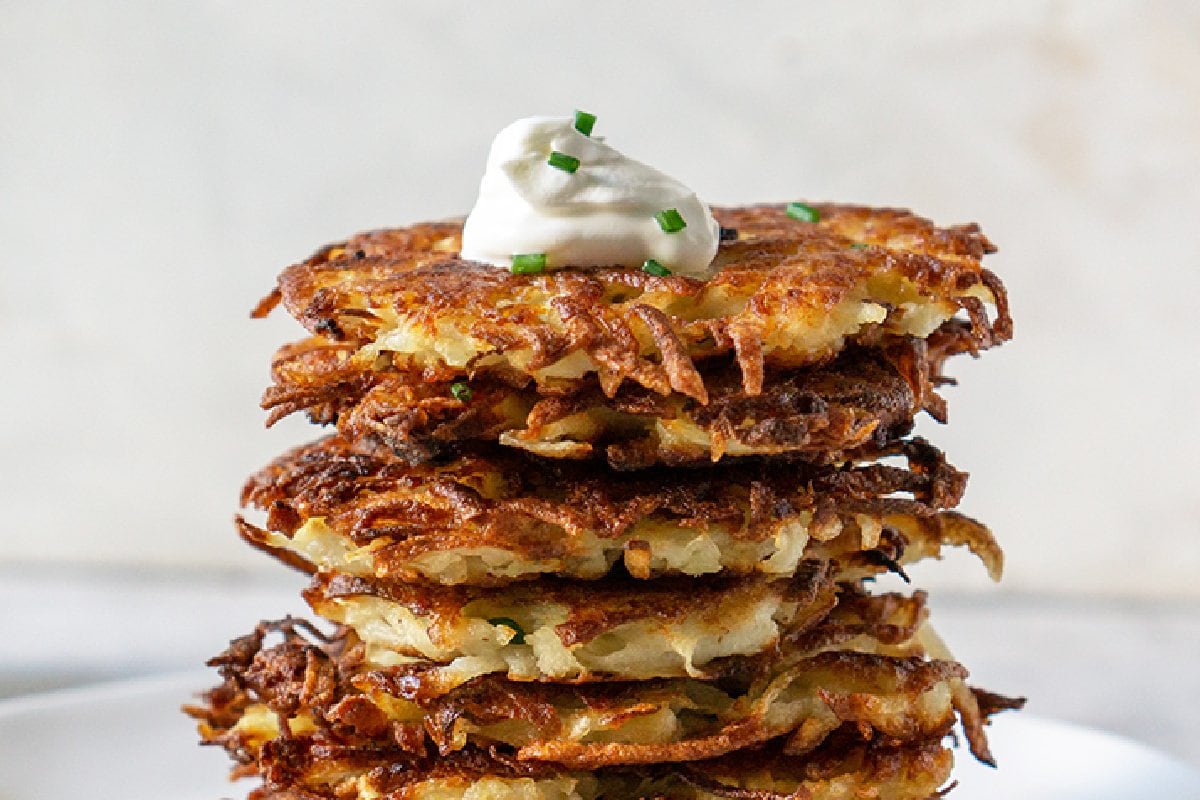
493,517
786,293
321,767
863,665
863,399
555,630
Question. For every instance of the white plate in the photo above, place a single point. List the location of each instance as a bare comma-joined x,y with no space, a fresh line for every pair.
129,742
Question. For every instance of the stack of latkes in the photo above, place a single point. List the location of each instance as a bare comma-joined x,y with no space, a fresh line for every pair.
607,534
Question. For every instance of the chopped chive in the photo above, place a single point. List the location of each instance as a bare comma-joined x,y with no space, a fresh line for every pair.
508,622
670,220
859,246
654,268
528,263
563,161
802,212
461,392
584,122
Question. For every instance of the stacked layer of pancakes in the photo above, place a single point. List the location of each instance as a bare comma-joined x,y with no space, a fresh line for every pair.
604,534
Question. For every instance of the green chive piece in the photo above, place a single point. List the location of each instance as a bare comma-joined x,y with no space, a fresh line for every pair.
508,622
461,392
528,263
859,246
563,161
584,122
654,268
803,212
670,220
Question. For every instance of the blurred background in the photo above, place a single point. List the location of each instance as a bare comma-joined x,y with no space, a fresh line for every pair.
161,162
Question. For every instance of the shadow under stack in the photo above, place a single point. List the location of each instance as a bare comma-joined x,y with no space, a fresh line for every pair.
608,534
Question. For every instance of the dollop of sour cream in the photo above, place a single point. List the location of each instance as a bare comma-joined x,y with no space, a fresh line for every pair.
602,214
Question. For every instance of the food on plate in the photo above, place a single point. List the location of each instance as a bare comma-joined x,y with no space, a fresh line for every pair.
614,483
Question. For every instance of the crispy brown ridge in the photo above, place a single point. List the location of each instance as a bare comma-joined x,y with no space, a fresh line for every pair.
861,400
492,517
786,293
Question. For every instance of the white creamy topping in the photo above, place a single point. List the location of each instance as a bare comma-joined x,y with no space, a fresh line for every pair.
603,214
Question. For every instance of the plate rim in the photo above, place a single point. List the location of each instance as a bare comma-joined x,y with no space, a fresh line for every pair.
103,691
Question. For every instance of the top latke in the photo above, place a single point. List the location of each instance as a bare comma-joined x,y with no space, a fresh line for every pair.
785,293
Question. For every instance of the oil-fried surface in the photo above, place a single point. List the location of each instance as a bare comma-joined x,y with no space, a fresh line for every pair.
863,399
491,517
863,666
616,629
319,767
786,293
806,356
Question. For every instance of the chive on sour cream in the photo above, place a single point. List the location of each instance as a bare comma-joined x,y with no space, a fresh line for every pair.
553,196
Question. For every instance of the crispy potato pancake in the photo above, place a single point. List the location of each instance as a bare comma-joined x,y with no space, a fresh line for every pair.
320,767
494,517
616,629
786,294
864,666
862,399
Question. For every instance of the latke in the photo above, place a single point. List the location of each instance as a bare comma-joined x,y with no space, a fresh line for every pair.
862,666
786,294
322,767
550,629
492,517
861,400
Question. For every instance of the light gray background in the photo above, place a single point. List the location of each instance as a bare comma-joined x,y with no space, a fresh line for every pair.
160,162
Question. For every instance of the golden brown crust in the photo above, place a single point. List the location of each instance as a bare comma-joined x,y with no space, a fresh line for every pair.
367,491
779,276
575,519
861,400
866,769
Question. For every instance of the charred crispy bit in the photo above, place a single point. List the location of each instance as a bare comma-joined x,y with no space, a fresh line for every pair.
991,703
861,400
493,517
785,294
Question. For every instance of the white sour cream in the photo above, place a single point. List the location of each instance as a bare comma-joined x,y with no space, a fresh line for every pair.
603,214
